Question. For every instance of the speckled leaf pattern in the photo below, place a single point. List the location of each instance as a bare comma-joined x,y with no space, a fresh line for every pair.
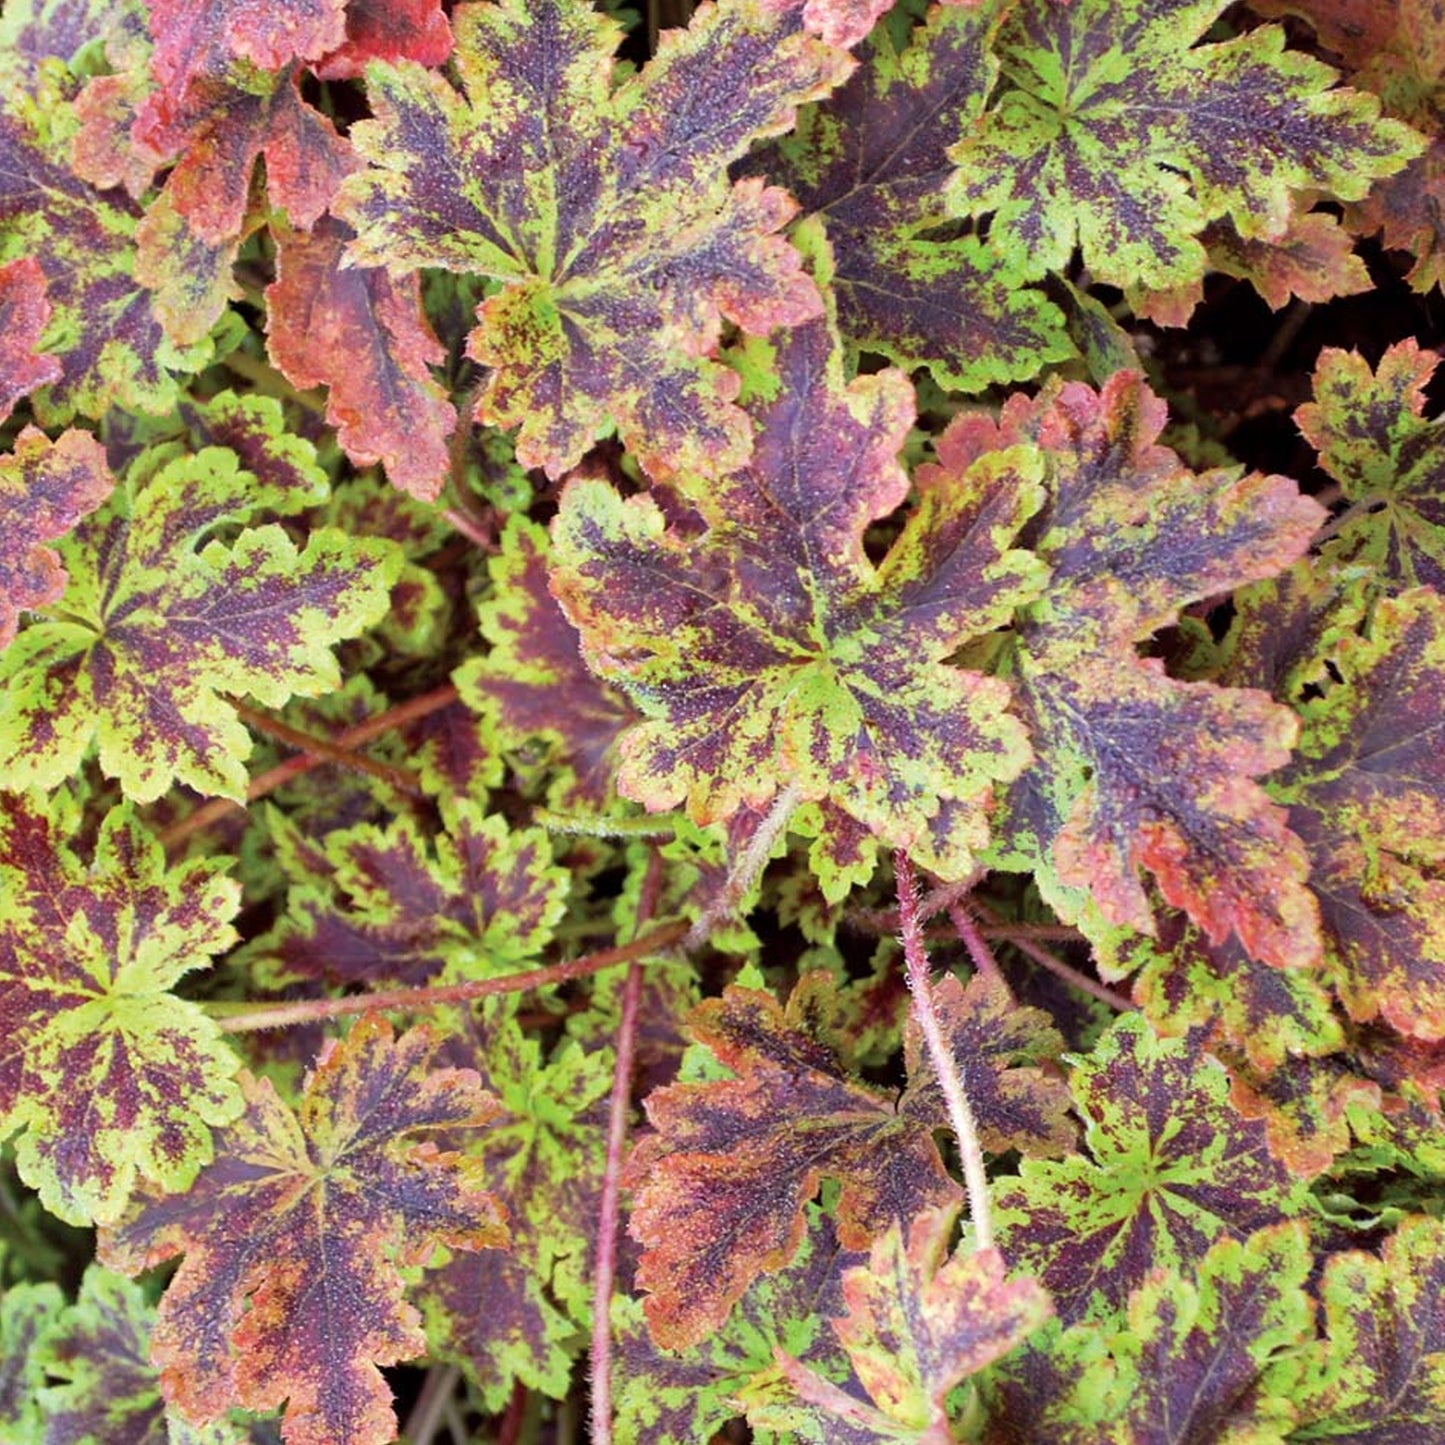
28,1313
1379,1379
1373,438
1214,1350
109,1393
1171,1167
1137,770
45,488
386,906
294,1240
112,1079
919,1321
24,311
364,335
532,686
770,652
722,1184
605,214
1116,132
665,1396
158,624
1004,1052
872,162
1061,1386
1367,795
388,30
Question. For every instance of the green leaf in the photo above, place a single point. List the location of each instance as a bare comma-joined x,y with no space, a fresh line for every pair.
603,212
113,1080
294,1239
162,619
1370,430
1379,1378
1171,1168
45,488
28,1314
1116,131
769,651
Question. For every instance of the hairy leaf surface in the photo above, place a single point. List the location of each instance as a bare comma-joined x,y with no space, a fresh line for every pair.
295,1238
1117,132
112,1079
769,652
162,619
603,212
24,312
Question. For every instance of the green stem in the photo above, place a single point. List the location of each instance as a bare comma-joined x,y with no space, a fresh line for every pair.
247,1017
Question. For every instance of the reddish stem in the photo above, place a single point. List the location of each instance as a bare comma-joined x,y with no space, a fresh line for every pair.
1070,975
248,1018
974,941
469,529
302,763
610,1213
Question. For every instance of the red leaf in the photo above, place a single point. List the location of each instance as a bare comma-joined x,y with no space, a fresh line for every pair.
24,311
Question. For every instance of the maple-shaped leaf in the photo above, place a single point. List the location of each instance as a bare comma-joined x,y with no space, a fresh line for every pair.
364,335
1061,1385
917,1323
1213,1350
104,331
109,1392
1116,131
24,312
533,685
1137,770
45,488
1379,1378
294,1240
1171,1167
1185,981
112,1079
1367,795
872,162
384,907
1371,433
162,619
999,1046
1398,52
388,30
28,1313
604,213
665,1396
723,1183
770,652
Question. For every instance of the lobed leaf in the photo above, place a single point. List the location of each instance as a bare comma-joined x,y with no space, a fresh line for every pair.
602,212
1117,131
294,1239
161,620
24,312
110,1078
769,652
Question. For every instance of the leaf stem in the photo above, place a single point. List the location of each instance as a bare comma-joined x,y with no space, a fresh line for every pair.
247,1017
945,1067
274,777
1072,976
974,941
426,1416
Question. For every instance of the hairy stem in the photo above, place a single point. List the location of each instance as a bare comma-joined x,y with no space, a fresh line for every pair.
604,1274
273,778
1056,966
397,778
974,941
945,1067
246,1018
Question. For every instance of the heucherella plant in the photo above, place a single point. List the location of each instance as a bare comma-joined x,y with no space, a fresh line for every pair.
704,730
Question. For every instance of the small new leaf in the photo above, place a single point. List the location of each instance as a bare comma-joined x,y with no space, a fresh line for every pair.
294,1240
113,1080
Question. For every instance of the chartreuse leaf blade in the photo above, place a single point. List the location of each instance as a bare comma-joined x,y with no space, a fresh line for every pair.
769,652
1116,131
293,1240
45,487
604,214
158,625
1378,1378
872,163
1373,438
1171,1168
1136,769
113,1080
1367,794
28,1314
